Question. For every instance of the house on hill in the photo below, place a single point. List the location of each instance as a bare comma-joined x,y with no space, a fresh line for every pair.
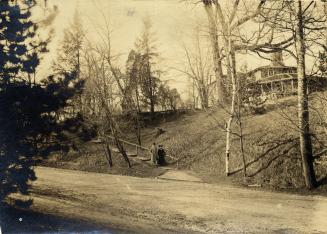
274,81
278,80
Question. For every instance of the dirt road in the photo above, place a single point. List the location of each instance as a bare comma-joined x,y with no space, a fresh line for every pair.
169,206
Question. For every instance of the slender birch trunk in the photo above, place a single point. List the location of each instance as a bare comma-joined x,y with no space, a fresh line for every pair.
232,62
303,110
240,125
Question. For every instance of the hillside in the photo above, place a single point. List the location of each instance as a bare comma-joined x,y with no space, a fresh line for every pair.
198,141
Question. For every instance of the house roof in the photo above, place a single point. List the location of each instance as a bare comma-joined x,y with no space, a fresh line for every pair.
269,66
257,69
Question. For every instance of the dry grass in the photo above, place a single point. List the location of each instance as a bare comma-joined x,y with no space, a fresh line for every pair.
94,160
195,138
271,146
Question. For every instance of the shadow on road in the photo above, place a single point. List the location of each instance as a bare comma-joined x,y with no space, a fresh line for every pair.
14,220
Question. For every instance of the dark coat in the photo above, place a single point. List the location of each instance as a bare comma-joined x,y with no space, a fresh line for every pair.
161,157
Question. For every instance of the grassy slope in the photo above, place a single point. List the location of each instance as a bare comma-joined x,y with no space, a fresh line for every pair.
198,141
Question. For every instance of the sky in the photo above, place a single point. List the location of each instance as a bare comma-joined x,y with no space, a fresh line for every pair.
169,19
173,22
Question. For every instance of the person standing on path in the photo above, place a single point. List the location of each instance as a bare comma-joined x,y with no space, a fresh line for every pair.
154,153
161,161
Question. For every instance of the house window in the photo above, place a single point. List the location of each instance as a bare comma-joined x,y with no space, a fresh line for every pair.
277,71
264,73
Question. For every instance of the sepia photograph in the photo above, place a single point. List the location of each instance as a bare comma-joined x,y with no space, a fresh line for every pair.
163,116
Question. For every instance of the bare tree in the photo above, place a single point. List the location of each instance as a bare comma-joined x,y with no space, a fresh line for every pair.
215,44
101,80
232,39
199,68
303,106
304,27
127,81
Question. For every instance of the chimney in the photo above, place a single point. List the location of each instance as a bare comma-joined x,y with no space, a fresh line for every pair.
277,59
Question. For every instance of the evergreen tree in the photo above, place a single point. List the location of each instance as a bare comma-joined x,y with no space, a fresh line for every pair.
29,128
16,54
149,76
69,57
130,97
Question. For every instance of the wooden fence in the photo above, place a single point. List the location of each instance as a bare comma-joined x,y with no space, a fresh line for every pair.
137,147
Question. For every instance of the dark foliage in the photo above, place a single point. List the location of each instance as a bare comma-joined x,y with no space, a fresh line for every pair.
19,47
30,129
29,125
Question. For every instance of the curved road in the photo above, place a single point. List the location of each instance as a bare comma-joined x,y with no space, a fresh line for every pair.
146,205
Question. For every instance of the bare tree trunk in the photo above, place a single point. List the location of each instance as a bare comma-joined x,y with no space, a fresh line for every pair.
137,99
108,153
118,143
221,92
106,147
303,110
137,112
242,146
80,96
193,95
229,124
138,128
152,106
112,126
240,125
232,62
